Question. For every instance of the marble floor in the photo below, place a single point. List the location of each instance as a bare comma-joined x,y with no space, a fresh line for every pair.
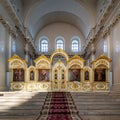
91,106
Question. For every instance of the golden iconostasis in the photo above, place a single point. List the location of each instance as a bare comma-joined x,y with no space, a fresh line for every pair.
59,73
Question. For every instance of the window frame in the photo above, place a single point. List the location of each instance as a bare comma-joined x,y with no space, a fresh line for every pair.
45,47
60,38
75,38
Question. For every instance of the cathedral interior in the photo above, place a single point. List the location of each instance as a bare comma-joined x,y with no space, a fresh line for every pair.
60,59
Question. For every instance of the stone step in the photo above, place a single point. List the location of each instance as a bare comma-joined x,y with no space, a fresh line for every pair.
21,108
27,105
24,104
21,100
23,94
98,107
100,117
96,100
17,117
20,112
26,96
85,96
96,103
95,94
1,94
99,112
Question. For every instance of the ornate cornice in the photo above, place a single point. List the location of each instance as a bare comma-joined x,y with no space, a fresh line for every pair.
16,57
10,9
19,28
100,29
14,32
76,57
114,22
42,57
102,57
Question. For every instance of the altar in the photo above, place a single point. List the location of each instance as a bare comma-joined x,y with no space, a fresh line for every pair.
59,72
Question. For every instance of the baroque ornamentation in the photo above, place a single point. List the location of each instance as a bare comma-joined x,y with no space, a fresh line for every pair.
72,76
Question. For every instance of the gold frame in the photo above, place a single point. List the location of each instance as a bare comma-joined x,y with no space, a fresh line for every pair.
16,62
75,62
101,62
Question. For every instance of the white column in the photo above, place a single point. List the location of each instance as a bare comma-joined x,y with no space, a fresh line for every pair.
10,45
109,48
3,38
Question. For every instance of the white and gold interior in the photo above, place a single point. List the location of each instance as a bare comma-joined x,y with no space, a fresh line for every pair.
60,73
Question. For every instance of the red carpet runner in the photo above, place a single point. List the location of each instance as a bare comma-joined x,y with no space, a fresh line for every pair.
59,106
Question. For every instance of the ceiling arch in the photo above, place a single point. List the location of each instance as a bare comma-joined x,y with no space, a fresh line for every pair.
58,17
44,12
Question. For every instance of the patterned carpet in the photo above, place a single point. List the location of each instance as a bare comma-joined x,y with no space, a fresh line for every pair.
59,106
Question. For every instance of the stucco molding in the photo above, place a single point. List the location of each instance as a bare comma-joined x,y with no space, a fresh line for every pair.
100,29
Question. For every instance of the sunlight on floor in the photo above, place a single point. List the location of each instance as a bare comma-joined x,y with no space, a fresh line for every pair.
14,99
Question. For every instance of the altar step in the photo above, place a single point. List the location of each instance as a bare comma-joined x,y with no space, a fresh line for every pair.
91,106
98,106
21,105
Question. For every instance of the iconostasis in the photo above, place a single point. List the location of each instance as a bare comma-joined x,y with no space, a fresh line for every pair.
59,73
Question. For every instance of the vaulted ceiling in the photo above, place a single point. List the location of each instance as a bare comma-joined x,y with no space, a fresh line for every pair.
39,13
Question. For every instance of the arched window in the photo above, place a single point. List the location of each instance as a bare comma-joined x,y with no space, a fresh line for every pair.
105,46
43,44
75,46
60,43
13,46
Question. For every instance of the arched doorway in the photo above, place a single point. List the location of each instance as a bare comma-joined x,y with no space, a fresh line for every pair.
59,70
59,76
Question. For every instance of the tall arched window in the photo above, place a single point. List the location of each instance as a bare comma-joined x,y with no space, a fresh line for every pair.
60,43
43,44
75,45
13,46
105,46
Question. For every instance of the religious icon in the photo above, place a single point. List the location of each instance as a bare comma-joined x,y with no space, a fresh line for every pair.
18,75
31,75
55,76
63,76
43,75
15,74
86,75
75,75
100,74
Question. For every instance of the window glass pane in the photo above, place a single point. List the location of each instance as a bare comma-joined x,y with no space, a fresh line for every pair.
13,46
105,47
75,45
44,45
59,44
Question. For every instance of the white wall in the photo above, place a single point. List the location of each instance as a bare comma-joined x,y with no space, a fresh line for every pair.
60,29
20,47
101,47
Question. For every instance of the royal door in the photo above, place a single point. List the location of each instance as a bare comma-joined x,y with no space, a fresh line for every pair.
59,76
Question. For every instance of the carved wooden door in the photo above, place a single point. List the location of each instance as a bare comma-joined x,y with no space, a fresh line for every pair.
59,77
